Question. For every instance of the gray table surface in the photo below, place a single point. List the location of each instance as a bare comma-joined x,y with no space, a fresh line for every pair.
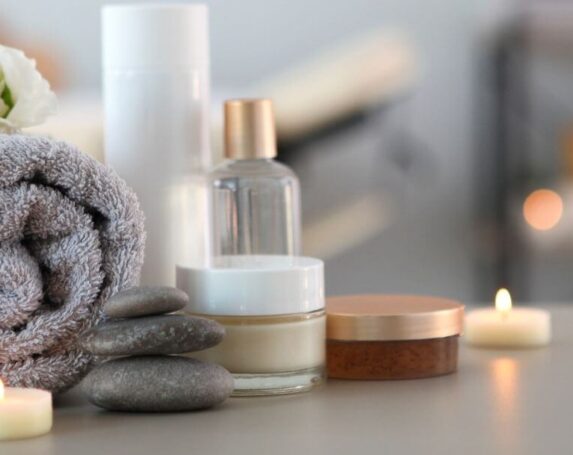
499,402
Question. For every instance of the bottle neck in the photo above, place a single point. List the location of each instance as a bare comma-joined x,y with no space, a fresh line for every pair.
250,154
252,160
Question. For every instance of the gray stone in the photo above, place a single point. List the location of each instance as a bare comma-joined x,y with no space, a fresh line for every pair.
157,384
145,301
153,335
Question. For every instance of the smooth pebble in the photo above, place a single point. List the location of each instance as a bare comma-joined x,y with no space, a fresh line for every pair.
157,384
145,301
153,335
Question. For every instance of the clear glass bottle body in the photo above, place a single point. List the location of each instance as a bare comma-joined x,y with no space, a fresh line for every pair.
256,208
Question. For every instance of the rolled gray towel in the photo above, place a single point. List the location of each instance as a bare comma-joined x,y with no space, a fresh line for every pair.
71,235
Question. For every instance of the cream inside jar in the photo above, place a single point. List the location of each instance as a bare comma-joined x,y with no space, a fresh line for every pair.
272,308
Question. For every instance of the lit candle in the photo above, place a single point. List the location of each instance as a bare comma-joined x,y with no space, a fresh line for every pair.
24,413
507,327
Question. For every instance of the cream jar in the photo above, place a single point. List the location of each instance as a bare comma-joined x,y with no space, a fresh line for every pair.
272,308
392,336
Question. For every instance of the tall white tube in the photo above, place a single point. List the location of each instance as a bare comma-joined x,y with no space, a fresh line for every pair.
156,96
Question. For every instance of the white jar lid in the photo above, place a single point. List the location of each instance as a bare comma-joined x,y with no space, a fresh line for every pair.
254,285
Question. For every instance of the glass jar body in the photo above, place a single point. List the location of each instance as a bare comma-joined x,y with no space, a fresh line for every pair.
271,355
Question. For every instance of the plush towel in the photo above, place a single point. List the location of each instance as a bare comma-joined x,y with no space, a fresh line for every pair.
71,235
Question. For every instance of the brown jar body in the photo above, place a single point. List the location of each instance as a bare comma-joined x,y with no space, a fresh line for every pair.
400,359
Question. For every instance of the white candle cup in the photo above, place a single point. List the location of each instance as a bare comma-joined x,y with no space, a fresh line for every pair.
507,327
24,413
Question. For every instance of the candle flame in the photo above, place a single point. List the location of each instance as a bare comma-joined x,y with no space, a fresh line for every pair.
1,390
503,301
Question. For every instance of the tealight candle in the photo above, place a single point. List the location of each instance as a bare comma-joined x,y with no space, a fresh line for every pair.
24,413
507,327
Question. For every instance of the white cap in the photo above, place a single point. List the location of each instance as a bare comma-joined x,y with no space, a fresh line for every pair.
254,285
155,36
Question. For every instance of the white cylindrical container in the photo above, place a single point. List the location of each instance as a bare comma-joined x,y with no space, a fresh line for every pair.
272,308
156,96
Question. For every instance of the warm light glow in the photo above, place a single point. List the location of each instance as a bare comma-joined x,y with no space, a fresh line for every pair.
503,301
505,378
505,375
543,209
1,390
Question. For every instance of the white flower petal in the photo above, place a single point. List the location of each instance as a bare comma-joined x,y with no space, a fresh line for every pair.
34,101
6,126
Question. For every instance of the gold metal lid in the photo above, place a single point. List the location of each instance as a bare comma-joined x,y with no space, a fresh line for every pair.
250,129
392,317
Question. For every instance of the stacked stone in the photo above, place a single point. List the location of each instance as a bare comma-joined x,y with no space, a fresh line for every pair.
147,377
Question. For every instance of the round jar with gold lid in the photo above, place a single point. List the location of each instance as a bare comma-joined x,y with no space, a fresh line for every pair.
392,336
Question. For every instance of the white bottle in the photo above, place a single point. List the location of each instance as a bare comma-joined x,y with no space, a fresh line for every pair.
156,96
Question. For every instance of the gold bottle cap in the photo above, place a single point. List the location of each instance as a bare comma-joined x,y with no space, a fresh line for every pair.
392,317
250,129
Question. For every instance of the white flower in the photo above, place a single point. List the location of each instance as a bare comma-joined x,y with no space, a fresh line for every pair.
25,96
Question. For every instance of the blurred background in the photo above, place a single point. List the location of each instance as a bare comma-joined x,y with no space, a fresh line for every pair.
433,139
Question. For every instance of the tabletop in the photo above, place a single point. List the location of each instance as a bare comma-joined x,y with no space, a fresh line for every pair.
499,402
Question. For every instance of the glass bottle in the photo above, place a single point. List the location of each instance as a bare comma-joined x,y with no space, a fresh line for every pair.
256,200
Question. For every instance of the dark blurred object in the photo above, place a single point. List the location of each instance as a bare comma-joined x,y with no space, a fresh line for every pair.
338,89
524,157
331,115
